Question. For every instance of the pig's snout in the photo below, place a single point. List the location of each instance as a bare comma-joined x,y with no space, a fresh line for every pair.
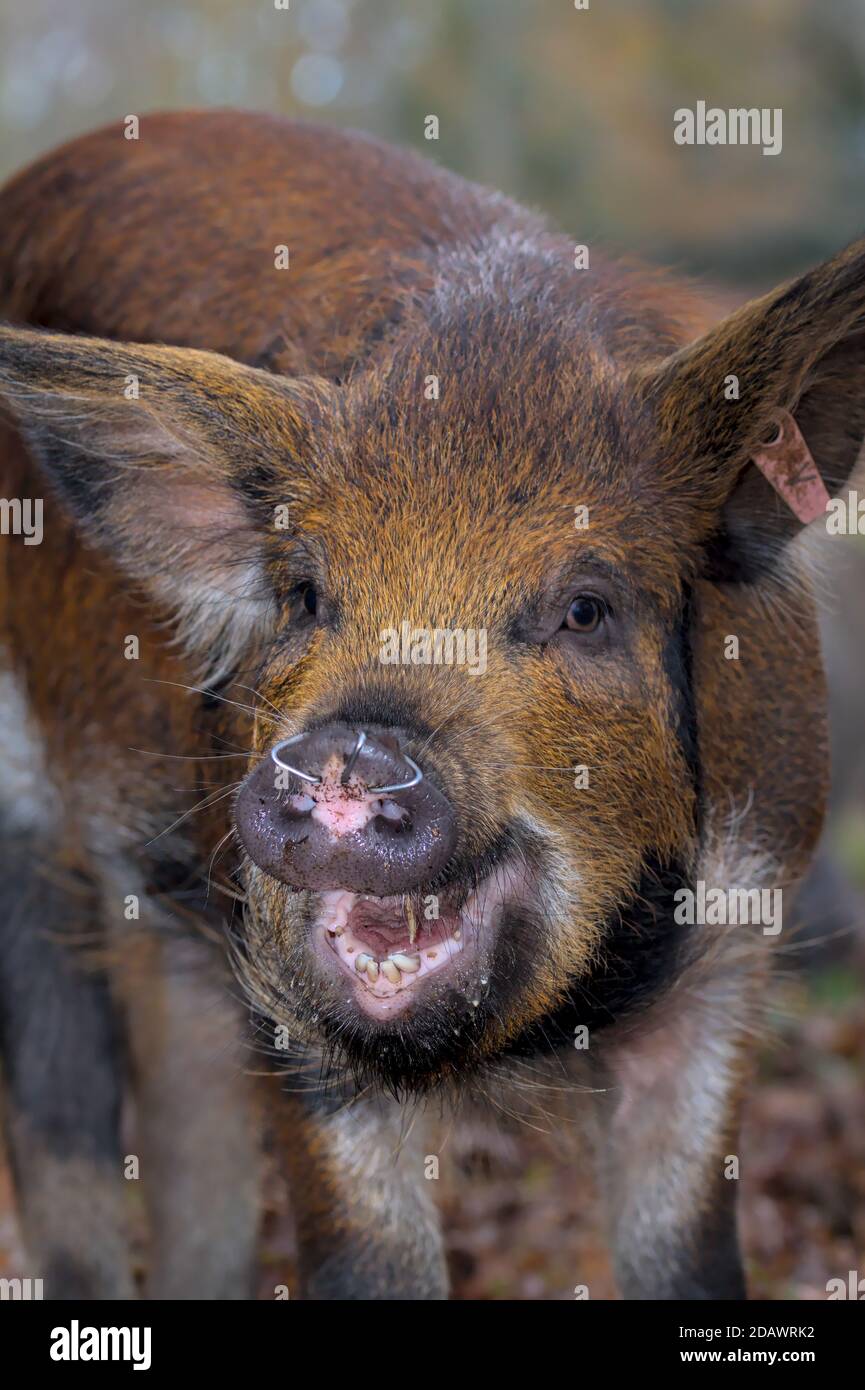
345,808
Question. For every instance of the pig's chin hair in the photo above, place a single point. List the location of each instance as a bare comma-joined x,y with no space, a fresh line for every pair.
270,962
333,1048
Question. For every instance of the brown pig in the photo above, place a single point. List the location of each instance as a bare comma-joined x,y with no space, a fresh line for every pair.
378,644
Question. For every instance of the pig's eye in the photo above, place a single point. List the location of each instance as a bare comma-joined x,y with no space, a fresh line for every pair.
585,614
304,601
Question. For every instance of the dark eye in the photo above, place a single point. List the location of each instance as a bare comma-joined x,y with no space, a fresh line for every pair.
304,601
585,614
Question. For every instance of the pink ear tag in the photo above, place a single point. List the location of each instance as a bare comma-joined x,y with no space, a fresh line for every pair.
787,464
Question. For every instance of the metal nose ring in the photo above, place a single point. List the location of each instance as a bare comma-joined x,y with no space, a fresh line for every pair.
400,786
417,775
280,762
352,757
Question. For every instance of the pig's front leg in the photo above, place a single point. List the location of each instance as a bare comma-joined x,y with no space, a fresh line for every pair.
669,1112
199,1123
366,1222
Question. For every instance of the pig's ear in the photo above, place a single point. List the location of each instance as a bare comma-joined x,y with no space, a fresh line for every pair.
795,358
173,461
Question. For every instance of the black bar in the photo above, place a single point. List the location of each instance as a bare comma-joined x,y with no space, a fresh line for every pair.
261,1339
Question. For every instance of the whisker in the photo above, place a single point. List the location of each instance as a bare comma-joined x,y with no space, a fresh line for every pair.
258,695
189,757
207,801
211,694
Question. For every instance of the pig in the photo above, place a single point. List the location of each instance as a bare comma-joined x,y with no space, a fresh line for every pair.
285,392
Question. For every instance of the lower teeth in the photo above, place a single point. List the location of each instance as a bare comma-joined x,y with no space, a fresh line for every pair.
407,963
391,968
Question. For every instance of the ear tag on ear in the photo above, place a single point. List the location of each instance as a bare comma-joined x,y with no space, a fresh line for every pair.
788,465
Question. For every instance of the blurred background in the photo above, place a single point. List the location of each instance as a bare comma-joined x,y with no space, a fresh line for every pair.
569,110
572,112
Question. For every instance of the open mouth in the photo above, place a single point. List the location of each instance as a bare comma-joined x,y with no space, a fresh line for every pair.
390,946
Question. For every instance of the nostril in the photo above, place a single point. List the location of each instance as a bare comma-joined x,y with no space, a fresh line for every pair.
392,819
390,828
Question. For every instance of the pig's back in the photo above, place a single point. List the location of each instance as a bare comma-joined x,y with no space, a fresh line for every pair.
174,237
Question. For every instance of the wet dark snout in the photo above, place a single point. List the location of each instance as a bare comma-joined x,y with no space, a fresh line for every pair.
342,807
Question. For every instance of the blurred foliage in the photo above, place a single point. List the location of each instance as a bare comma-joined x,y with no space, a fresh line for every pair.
570,110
